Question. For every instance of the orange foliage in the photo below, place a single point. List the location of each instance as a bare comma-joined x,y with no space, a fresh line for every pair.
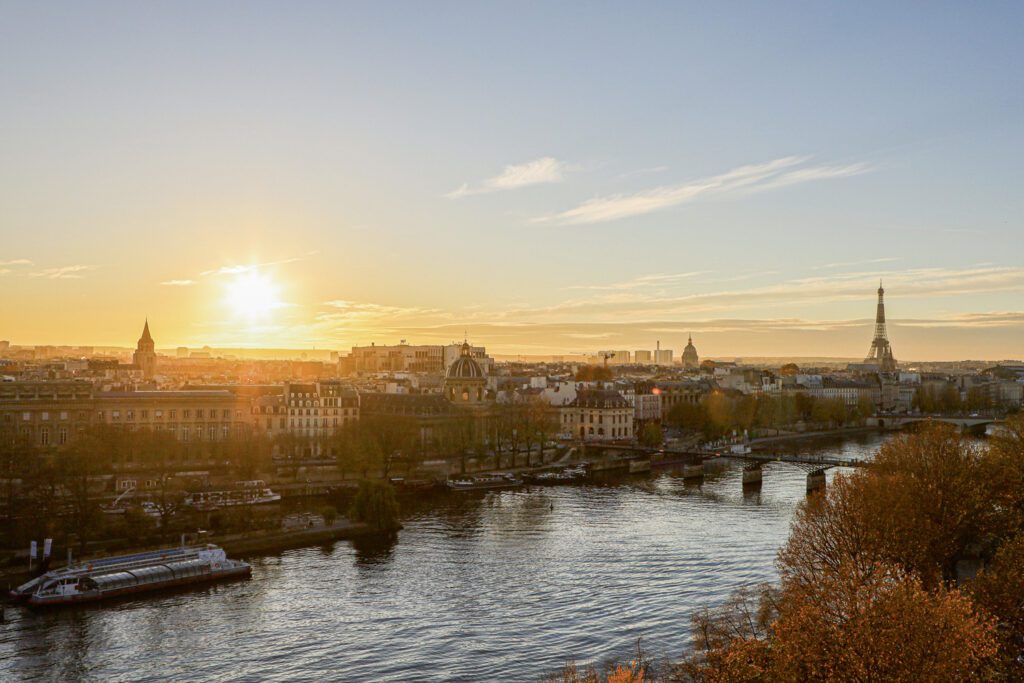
999,589
880,625
922,506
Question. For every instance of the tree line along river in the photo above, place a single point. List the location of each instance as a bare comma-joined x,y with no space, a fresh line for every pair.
501,585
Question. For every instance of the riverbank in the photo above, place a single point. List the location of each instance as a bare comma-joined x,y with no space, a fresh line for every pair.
239,544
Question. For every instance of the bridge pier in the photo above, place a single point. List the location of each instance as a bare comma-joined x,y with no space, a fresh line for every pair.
752,476
816,481
693,471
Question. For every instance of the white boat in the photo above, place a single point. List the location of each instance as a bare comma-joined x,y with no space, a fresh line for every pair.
495,481
126,574
122,504
255,492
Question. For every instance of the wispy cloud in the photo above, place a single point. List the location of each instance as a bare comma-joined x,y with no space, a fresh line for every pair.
74,272
816,290
344,310
16,262
643,171
237,269
845,264
177,283
536,172
745,179
655,280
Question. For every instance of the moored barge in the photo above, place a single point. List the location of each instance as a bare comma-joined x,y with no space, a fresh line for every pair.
127,574
494,481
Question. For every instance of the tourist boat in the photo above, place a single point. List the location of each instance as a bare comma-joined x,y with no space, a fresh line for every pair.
126,574
255,492
493,481
567,475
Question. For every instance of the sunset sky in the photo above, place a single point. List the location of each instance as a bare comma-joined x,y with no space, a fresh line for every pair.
546,178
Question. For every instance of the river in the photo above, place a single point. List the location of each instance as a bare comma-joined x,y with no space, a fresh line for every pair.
477,587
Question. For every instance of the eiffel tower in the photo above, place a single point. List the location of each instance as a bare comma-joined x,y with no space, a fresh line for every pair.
881,352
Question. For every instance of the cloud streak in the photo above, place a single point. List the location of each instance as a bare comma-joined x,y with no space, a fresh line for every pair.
537,172
771,175
247,268
177,283
75,272
816,290
643,281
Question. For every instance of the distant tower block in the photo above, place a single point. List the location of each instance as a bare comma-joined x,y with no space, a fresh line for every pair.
145,353
881,352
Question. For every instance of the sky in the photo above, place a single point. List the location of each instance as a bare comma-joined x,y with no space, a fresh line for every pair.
540,177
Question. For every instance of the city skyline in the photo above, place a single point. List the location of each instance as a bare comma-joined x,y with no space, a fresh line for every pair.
744,178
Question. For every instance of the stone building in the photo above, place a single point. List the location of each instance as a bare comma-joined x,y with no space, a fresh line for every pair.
465,382
689,358
53,413
598,415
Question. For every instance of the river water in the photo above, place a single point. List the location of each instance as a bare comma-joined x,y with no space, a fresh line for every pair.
477,587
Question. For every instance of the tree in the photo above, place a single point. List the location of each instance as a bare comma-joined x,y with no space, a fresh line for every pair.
458,436
651,435
1004,466
594,373
949,400
865,407
330,514
789,369
718,409
688,416
375,505
999,589
857,623
249,453
539,422
19,462
78,465
922,504
879,625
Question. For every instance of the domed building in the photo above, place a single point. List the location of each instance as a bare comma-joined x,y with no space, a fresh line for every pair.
690,359
465,381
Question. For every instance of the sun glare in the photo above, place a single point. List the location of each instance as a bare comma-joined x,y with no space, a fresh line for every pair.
252,295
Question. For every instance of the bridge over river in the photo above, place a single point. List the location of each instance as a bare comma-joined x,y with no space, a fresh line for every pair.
974,422
693,464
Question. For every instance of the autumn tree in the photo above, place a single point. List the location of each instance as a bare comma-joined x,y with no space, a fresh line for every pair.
880,624
460,436
999,589
539,422
594,373
651,435
923,502
375,504
688,416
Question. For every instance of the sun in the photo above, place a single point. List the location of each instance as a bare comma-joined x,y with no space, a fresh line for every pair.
252,295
